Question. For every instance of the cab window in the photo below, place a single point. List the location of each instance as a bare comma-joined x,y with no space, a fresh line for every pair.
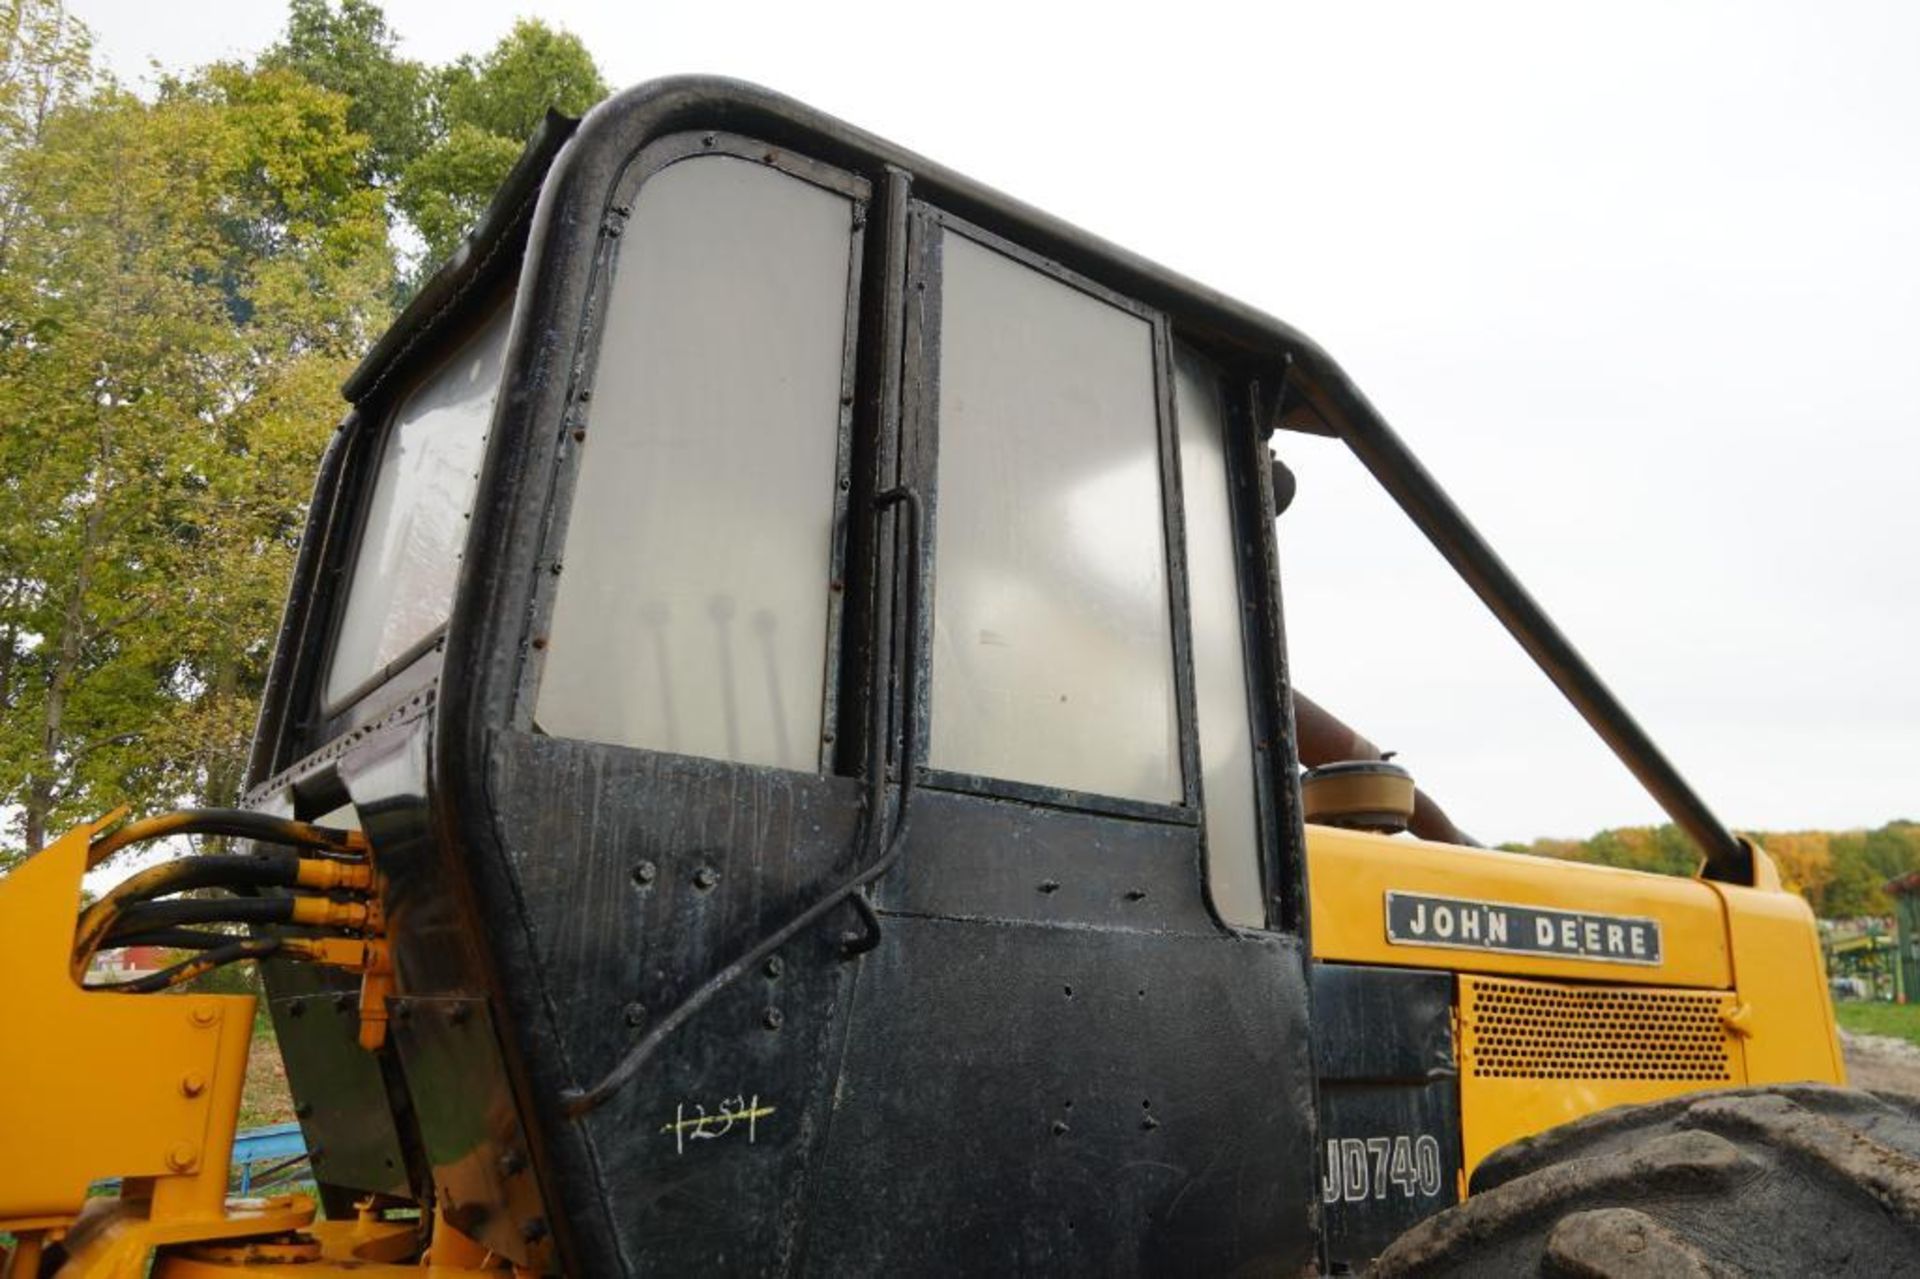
692,613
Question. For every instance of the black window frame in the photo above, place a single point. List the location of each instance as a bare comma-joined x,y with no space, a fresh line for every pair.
928,224
576,425
416,666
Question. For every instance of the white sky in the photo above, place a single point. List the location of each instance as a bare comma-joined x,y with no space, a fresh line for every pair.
1640,282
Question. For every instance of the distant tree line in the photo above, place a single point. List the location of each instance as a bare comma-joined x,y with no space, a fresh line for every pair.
185,278
1840,873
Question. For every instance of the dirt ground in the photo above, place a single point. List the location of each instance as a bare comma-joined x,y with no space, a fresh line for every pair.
1882,1063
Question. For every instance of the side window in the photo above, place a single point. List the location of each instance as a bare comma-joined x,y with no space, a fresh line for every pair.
416,524
1220,688
693,611
1052,659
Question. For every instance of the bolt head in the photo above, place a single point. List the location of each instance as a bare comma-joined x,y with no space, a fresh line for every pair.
706,877
644,873
636,1014
192,1084
182,1156
773,1019
775,966
204,1015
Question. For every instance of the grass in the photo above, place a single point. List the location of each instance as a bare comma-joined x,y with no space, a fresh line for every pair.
265,1099
1869,1017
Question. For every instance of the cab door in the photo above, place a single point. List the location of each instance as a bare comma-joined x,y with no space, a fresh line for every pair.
1078,1046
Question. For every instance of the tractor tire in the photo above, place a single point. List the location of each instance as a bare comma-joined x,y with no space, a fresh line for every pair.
1793,1180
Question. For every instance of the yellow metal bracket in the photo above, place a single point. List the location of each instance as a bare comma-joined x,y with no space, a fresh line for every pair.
145,1088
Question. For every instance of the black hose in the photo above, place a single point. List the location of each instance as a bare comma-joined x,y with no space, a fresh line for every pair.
275,869
577,1102
177,939
236,823
145,917
198,966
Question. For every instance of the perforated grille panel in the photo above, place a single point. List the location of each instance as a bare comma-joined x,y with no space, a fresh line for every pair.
1539,1030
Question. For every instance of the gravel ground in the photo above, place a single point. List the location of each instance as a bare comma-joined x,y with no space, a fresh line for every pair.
1881,1062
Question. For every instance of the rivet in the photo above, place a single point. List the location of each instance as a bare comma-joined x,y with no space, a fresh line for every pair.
635,1013
192,1084
644,872
1060,1128
706,877
772,1018
1136,894
1149,1123
775,966
204,1015
182,1155
1049,885
539,641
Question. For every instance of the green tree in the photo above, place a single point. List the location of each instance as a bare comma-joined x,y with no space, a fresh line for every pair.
352,51
1855,887
185,281
482,113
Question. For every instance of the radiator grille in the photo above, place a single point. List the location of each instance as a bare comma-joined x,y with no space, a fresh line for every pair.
1536,1030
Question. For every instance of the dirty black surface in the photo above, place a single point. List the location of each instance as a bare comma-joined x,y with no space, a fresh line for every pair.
1389,1104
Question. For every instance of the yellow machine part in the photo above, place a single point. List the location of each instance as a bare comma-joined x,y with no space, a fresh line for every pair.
146,1088
1738,994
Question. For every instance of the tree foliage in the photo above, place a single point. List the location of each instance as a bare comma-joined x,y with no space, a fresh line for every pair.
352,51
184,281
481,113
1841,873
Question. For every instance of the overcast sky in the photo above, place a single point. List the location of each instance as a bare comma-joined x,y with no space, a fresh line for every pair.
1640,282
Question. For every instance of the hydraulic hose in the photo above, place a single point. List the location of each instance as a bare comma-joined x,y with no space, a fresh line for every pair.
1322,738
577,1102
198,966
235,823
144,917
98,921
175,939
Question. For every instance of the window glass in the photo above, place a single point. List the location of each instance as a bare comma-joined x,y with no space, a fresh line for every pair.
691,615
1219,653
1052,650
416,526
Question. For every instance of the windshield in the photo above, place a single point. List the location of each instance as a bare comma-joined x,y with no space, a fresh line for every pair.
416,523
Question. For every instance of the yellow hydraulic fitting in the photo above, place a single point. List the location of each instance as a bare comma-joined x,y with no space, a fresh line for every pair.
326,875
320,912
376,983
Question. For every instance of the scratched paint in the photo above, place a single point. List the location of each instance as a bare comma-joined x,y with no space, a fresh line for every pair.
701,1126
